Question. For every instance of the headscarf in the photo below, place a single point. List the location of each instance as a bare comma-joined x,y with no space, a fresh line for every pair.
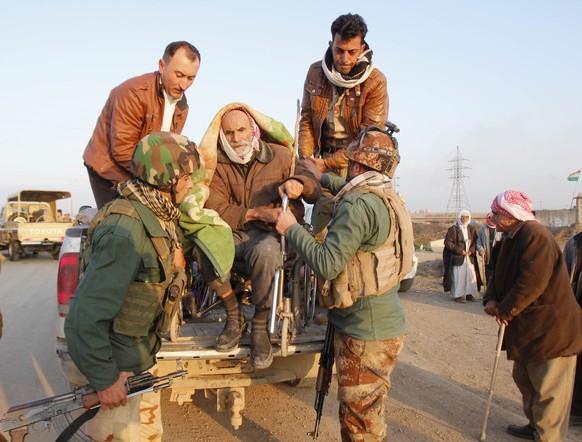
370,178
152,198
359,73
463,226
255,137
514,204
464,212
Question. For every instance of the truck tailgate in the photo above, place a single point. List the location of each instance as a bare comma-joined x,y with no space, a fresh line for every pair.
42,232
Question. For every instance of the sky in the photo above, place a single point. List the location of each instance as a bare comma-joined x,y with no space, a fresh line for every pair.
499,79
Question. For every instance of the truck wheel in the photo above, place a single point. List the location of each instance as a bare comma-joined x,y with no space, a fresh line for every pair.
405,285
14,250
55,252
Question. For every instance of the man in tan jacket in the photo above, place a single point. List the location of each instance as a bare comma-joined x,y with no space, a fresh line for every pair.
343,94
142,105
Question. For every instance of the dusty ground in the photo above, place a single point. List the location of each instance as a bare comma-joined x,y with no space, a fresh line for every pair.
439,392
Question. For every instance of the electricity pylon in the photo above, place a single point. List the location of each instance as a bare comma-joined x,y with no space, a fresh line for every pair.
458,198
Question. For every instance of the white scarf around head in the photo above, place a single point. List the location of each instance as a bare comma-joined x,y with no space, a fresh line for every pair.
336,78
370,178
232,155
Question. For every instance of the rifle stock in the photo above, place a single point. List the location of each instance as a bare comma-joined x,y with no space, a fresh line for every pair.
19,417
324,375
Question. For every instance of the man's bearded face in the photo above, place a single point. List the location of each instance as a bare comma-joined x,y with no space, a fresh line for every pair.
241,147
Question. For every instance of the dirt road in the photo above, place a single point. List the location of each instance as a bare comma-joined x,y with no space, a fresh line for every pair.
439,385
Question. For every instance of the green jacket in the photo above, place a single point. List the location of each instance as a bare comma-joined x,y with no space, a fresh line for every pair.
361,222
121,254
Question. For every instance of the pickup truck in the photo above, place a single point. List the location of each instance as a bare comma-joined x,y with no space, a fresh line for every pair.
29,223
190,346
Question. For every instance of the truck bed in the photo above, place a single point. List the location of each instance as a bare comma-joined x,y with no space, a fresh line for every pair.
232,371
197,338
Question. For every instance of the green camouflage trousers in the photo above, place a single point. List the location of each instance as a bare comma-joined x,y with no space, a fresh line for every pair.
363,374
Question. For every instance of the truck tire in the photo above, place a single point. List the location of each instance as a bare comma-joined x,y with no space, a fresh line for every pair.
14,250
406,285
56,252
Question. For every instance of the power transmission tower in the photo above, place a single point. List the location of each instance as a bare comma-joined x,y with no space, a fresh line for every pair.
458,198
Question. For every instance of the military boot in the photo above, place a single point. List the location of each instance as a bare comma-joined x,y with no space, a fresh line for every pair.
261,350
235,325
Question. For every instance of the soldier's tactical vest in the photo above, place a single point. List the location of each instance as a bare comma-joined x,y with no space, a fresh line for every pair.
374,273
143,306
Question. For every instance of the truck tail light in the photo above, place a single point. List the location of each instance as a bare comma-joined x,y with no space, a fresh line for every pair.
67,280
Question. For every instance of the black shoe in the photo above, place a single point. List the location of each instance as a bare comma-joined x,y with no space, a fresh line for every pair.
233,330
261,349
471,298
460,299
523,432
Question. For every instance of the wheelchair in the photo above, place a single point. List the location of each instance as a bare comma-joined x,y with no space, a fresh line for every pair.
294,297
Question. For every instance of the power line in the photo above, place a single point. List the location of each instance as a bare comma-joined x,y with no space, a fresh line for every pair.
458,198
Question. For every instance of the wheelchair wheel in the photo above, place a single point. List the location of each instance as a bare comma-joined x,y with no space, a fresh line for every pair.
304,292
202,296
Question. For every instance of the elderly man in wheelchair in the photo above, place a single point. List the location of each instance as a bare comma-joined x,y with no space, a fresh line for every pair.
255,160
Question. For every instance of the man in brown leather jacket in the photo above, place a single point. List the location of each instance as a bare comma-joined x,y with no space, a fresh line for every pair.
343,94
142,105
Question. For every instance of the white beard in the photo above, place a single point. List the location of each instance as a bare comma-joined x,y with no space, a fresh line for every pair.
242,148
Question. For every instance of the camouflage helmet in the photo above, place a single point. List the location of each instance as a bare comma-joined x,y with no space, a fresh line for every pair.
162,158
376,149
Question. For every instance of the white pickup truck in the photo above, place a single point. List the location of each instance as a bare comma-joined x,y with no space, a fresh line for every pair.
30,223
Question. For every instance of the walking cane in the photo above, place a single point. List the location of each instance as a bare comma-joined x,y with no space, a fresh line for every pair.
483,436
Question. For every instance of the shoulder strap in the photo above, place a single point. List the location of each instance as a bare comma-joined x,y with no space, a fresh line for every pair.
132,209
155,232
119,205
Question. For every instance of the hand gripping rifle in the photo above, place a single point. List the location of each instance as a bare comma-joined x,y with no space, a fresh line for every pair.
324,375
18,418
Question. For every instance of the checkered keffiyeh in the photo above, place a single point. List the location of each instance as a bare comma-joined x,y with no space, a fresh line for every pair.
514,204
255,129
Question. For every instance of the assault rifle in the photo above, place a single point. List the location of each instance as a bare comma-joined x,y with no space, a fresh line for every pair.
324,374
18,418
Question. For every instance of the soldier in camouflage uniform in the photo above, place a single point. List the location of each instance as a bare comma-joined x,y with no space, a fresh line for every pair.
112,327
365,254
